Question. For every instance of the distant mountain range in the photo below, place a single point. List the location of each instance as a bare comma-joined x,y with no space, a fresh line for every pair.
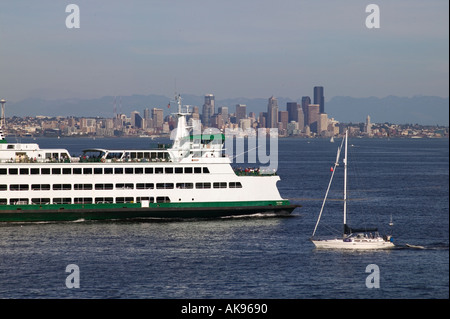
424,110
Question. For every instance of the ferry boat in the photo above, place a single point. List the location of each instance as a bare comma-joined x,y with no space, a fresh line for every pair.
191,179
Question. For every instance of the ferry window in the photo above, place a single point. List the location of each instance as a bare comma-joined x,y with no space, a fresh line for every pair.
18,187
145,186
67,171
140,155
66,200
118,170
220,185
82,186
3,201
185,185
205,170
24,171
82,200
34,171
77,171
169,170
235,185
103,200
108,170
159,170
3,187
163,199
45,171
197,170
149,170
139,170
40,201
128,170
13,171
124,186
2,171
202,185
40,187
98,170
103,186
58,187
164,185
56,171
121,200
18,201
133,155
87,170
178,170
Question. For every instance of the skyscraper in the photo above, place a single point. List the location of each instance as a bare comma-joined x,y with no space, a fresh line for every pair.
158,117
319,98
208,109
292,108
241,112
283,117
306,100
223,111
313,117
272,113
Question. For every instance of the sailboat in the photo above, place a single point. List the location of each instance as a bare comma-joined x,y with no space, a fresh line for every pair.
352,238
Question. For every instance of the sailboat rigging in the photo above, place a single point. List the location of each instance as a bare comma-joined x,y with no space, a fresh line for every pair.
352,238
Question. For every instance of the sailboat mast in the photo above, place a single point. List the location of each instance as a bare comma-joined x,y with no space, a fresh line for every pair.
345,179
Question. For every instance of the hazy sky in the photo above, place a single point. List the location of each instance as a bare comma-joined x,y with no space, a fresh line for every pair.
231,48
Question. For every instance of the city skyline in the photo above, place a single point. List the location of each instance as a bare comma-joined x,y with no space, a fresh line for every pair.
246,48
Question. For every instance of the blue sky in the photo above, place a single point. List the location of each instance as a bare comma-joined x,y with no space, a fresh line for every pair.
229,48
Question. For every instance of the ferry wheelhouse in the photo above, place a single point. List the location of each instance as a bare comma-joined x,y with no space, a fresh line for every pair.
192,178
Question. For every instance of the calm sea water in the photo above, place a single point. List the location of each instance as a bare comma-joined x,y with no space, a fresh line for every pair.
256,257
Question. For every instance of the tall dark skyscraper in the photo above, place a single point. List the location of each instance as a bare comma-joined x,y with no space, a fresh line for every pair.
319,98
292,108
208,109
306,100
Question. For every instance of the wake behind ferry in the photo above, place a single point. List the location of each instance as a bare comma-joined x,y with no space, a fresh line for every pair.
191,179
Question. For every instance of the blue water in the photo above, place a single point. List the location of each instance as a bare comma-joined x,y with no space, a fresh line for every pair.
256,257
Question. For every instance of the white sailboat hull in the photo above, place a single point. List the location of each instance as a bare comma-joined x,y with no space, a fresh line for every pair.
360,244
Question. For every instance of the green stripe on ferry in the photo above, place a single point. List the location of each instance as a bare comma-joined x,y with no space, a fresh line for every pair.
138,205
